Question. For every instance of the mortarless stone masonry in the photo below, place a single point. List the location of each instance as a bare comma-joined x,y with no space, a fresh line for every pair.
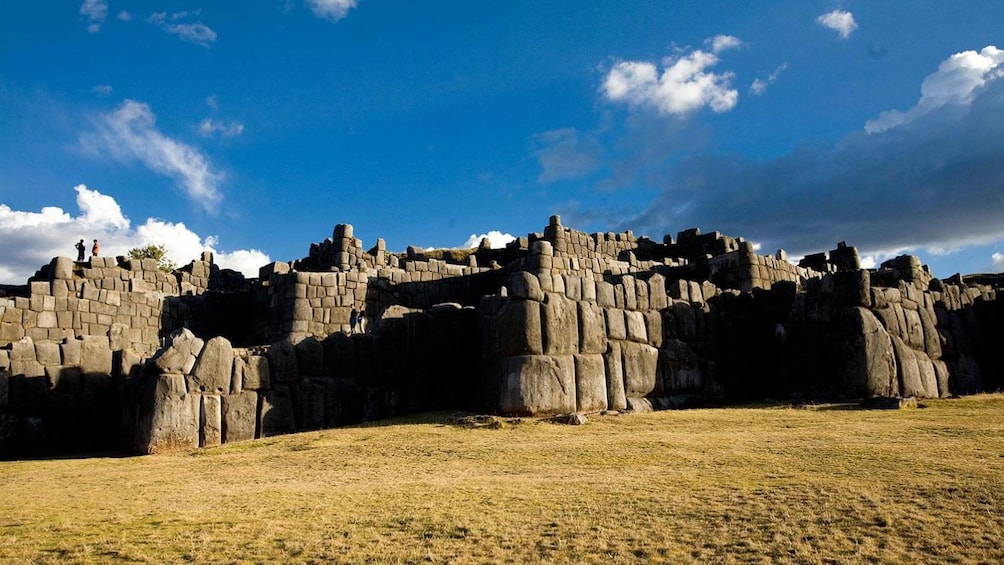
111,350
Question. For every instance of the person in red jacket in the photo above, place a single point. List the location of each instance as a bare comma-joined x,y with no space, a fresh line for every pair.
95,249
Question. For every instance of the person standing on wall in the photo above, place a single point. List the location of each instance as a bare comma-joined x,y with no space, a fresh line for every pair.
94,249
353,320
80,250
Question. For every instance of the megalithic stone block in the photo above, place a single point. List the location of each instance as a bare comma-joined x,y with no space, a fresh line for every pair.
616,399
537,384
590,383
561,325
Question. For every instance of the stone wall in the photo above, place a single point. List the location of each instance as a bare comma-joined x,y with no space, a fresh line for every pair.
557,321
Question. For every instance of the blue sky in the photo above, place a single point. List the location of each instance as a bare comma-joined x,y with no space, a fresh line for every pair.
253,128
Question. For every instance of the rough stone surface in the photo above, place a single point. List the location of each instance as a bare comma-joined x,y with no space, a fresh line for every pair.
634,324
214,367
561,325
519,328
239,416
95,355
172,421
538,384
590,383
282,362
616,399
179,356
526,286
211,421
592,334
641,371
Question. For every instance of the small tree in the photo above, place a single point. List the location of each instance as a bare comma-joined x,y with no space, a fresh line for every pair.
152,251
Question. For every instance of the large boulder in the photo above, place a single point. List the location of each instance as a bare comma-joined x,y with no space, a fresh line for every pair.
641,369
182,350
561,325
590,383
592,328
239,416
538,384
616,399
870,360
250,373
214,367
282,362
211,421
168,417
519,328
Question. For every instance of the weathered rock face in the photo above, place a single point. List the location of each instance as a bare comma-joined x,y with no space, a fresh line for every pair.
538,384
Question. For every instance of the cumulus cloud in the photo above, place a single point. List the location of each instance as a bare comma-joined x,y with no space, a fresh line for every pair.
496,240
997,262
125,16
955,82
933,181
720,43
210,127
759,86
333,10
95,11
130,133
565,154
192,32
839,21
683,85
33,238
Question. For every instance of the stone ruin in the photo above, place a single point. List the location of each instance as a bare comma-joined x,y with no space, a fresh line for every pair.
114,353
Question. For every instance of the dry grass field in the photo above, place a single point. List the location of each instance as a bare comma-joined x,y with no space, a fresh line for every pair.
827,484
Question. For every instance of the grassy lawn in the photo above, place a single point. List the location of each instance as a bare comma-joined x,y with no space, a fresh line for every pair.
751,484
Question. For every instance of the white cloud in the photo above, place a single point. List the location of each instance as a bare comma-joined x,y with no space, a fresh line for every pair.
998,261
933,183
130,134
759,86
208,127
868,262
839,21
496,240
212,102
683,86
102,89
195,32
96,11
720,43
34,238
333,10
125,16
955,82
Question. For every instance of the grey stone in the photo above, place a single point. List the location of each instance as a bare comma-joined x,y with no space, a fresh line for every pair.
910,383
634,323
870,361
211,421
275,415
214,367
616,399
523,285
95,355
653,328
560,325
169,417
641,369
519,328
182,350
62,268
239,416
592,328
590,383
538,384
